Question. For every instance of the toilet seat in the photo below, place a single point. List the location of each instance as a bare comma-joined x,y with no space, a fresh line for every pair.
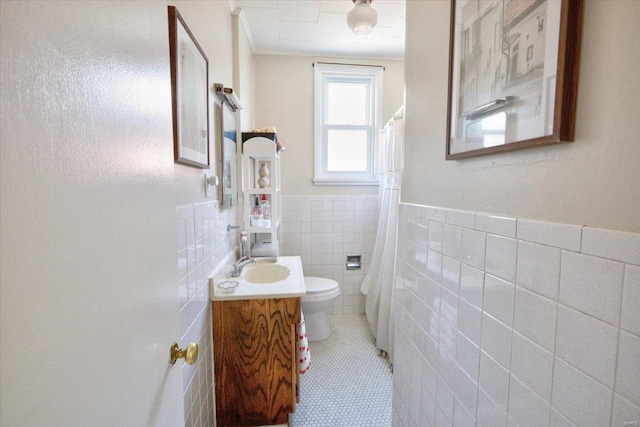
319,284
320,288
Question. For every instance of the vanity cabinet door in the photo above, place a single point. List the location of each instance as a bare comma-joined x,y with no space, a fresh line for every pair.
254,346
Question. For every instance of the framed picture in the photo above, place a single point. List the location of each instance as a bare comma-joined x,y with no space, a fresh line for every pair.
513,74
190,94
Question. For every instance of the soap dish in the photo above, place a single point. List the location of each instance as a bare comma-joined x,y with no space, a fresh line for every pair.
228,286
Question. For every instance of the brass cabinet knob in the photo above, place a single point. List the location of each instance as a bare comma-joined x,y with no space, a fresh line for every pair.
190,355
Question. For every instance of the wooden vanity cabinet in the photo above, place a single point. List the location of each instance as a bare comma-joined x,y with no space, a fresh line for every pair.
256,360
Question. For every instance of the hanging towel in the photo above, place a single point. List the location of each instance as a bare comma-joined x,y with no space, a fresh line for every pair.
305,355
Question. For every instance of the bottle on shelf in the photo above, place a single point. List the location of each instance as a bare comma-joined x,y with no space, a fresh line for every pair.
256,215
266,212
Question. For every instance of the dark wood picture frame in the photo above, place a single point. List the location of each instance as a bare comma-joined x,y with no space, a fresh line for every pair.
189,94
512,111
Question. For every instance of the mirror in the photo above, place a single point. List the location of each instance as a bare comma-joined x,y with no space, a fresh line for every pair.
228,172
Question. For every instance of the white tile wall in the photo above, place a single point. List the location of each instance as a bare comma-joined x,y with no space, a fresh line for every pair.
323,230
565,236
629,367
587,343
499,299
592,285
526,408
539,268
471,285
473,247
203,244
532,365
580,398
515,322
494,224
612,244
500,257
535,318
631,295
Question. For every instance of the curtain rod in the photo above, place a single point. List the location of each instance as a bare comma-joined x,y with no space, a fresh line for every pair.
313,64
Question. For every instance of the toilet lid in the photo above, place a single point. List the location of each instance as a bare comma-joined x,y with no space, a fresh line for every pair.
319,284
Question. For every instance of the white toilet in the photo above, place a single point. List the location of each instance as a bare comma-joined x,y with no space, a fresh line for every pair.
320,295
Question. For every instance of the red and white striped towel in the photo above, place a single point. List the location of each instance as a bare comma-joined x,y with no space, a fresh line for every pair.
305,355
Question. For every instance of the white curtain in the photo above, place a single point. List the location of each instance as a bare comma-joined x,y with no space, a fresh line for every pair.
378,283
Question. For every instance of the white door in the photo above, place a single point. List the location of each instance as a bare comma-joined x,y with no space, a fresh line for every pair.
89,301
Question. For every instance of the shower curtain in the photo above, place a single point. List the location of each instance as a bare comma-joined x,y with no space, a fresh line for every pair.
378,284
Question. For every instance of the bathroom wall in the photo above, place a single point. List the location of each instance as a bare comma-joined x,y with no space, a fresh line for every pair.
203,246
200,220
514,321
323,230
525,316
203,240
590,181
243,72
211,25
284,98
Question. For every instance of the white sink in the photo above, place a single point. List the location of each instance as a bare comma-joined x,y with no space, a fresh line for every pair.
280,279
267,273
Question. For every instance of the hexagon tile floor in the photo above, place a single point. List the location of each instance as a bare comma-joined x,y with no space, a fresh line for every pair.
348,384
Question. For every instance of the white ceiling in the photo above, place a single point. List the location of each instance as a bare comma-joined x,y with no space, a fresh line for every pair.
319,27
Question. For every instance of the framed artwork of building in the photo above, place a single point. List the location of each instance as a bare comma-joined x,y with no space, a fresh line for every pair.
513,74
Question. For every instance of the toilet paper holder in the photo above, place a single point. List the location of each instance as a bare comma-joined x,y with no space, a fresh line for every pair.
354,262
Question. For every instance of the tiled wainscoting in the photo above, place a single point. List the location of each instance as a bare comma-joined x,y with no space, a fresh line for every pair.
511,321
323,230
203,244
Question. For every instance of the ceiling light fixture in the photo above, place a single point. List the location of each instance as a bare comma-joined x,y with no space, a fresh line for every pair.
362,17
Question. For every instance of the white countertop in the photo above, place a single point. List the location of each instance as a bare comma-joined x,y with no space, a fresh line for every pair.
292,286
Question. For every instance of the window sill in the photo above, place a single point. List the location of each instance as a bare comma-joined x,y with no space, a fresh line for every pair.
325,181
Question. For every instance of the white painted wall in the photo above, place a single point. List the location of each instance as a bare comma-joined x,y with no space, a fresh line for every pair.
485,300
211,24
243,74
594,180
203,241
284,98
89,304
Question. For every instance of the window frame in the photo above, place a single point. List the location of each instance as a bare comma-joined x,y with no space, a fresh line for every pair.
326,73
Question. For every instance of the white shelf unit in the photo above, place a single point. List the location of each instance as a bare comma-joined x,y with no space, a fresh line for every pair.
255,151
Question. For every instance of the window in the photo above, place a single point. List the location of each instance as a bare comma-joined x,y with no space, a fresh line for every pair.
347,116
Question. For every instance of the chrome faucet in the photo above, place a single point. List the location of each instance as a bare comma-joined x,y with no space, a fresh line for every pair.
239,265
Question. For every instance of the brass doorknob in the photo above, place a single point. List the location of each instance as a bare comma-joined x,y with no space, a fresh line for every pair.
190,355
